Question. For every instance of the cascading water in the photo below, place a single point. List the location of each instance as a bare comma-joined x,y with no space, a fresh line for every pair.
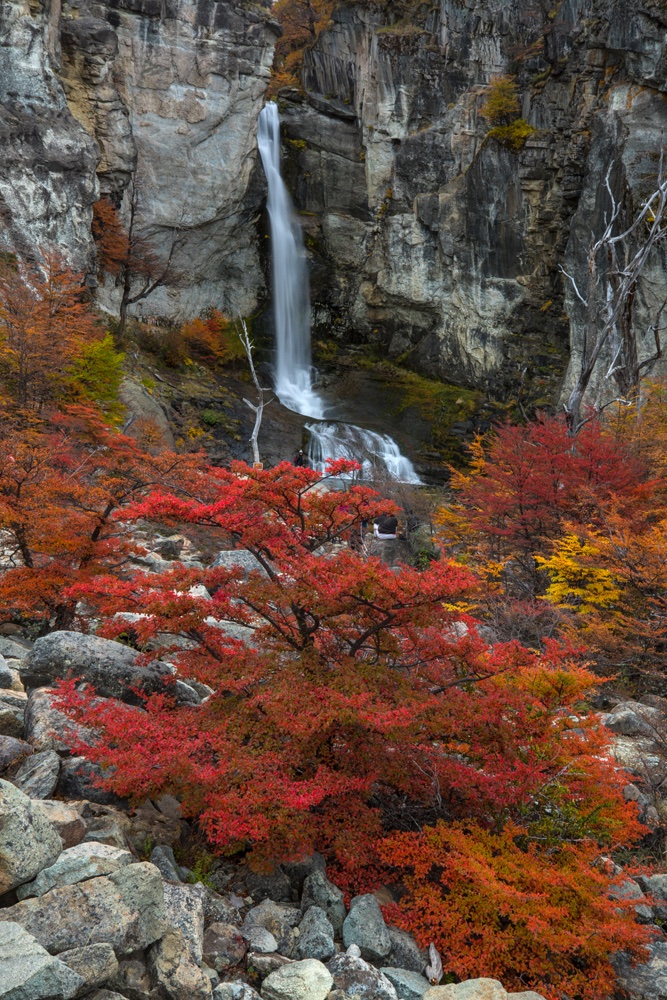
378,454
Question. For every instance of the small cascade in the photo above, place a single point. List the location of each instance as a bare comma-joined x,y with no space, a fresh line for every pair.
378,454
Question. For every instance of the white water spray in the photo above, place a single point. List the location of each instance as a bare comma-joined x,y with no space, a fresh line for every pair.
378,454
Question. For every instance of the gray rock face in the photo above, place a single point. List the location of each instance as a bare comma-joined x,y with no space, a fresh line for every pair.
95,963
124,909
408,985
356,978
318,891
365,927
77,864
107,665
28,842
224,946
173,970
307,980
38,775
316,935
28,972
140,407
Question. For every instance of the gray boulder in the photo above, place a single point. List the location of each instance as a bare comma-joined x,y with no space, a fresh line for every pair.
365,927
238,559
77,864
631,718
6,677
95,963
471,989
47,728
405,952
319,891
273,885
646,981
38,775
66,818
220,910
184,911
656,886
12,750
408,985
28,972
235,991
357,979
278,919
260,940
307,980
173,970
12,649
80,779
124,909
12,713
316,935
28,842
133,980
630,890
224,946
298,871
163,858
110,667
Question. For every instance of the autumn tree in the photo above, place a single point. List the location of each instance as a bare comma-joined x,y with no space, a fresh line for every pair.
301,22
46,323
128,254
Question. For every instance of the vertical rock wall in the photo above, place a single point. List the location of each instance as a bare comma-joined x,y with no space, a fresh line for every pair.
430,239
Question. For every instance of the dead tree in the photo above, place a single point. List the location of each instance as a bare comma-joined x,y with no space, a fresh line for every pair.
616,262
258,408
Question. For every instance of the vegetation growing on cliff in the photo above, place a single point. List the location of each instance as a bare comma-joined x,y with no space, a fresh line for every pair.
502,109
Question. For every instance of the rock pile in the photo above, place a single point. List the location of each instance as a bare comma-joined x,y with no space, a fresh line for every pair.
84,914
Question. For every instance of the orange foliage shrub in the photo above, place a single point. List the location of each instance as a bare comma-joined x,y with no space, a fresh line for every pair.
301,21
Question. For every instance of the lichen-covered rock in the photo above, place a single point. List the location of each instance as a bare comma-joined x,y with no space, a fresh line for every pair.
405,952
365,927
47,728
471,989
124,909
12,750
259,940
77,864
37,776
408,985
235,991
163,858
28,972
224,946
306,980
278,919
319,891
646,981
28,842
67,820
356,978
95,963
184,910
174,971
316,935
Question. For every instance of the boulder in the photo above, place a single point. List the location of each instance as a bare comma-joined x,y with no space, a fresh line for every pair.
260,966
110,667
13,650
405,952
12,713
273,885
235,991
163,858
408,985
220,910
37,776
356,978
365,927
28,842
630,890
77,864
630,718
298,871
260,940
124,909
173,970
306,980
656,886
80,779
319,891
224,946
66,818
526,995
184,910
645,981
28,972
95,963
105,995
12,750
238,559
6,676
277,918
471,989
47,728
316,935
133,980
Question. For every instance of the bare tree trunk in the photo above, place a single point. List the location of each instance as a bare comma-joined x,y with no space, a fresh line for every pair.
258,408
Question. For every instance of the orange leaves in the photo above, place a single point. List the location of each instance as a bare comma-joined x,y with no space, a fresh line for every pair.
502,905
301,22
113,245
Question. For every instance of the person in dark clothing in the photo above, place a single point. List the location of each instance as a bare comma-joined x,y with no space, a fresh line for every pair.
386,526
300,459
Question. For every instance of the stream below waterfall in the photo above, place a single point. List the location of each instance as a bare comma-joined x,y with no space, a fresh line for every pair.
329,438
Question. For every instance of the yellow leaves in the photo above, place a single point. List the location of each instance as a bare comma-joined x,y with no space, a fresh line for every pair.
578,582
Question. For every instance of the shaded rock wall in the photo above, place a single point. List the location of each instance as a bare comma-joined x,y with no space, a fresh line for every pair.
436,243
158,95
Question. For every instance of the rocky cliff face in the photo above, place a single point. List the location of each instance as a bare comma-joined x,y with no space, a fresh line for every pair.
160,96
430,239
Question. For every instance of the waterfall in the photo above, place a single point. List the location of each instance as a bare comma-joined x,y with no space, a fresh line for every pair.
378,454
291,296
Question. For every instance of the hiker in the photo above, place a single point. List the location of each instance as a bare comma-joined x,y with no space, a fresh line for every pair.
300,459
385,526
